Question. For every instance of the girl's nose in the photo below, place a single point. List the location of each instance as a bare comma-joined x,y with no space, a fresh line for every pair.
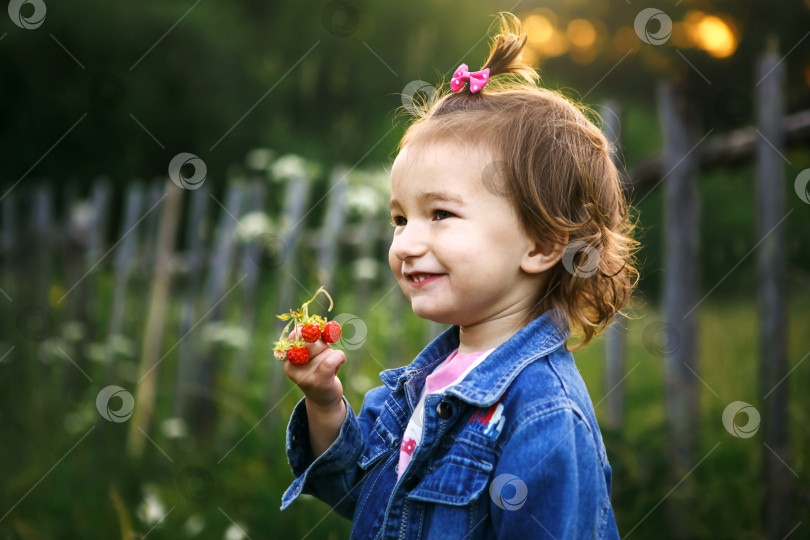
409,242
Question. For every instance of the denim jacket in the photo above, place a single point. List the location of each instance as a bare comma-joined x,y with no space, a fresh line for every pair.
512,451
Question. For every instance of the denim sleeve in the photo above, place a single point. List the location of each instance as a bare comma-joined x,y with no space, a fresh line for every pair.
333,475
548,482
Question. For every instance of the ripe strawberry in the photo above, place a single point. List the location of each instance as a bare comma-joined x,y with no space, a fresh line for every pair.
294,349
298,356
331,332
311,333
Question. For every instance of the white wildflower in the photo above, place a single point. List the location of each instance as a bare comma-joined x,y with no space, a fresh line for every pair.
363,199
151,509
235,532
227,335
97,352
259,159
365,268
291,166
173,428
73,331
253,225
122,345
194,525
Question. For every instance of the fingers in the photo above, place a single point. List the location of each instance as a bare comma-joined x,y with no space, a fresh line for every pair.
314,348
319,371
333,362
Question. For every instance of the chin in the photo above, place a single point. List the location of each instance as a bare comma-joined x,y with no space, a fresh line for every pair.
433,315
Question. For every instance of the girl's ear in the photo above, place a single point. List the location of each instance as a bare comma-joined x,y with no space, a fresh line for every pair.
540,258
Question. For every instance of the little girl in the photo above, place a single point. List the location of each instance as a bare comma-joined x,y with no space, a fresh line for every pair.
510,224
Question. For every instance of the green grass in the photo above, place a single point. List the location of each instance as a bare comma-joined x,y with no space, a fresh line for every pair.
726,487
723,495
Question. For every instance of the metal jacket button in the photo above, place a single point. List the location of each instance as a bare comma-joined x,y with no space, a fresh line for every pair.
443,410
410,482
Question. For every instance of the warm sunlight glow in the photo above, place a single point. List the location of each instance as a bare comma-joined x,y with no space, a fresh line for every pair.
711,33
539,30
625,39
682,35
543,37
530,56
581,33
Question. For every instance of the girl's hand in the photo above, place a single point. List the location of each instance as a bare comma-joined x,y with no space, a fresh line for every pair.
318,377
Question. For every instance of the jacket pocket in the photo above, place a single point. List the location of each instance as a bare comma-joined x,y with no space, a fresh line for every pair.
455,480
381,440
453,498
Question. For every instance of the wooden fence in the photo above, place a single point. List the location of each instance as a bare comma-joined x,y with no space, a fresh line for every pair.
190,244
678,168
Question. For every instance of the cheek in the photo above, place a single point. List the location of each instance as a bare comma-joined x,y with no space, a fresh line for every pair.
394,262
478,261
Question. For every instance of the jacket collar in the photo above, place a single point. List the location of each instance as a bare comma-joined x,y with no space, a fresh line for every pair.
490,379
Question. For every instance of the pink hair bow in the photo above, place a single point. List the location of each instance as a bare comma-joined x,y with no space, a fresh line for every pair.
477,79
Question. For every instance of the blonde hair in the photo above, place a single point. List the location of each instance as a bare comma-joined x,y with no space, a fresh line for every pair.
556,168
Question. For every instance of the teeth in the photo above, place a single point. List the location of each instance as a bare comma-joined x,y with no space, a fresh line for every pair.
419,279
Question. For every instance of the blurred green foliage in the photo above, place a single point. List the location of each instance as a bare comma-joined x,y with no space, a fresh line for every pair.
217,79
66,466
321,79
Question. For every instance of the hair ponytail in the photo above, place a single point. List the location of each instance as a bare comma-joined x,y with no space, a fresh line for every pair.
506,70
504,54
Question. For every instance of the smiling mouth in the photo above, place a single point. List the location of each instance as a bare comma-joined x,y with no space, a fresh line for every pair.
420,278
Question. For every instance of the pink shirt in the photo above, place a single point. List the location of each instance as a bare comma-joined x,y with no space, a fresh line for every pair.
448,373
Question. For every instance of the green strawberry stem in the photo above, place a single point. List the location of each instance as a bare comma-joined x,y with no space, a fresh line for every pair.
305,307
297,318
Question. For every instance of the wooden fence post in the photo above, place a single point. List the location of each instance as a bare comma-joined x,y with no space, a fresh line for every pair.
124,259
155,322
43,241
221,260
367,235
327,241
295,200
254,202
154,192
199,201
770,182
616,334
680,287
9,247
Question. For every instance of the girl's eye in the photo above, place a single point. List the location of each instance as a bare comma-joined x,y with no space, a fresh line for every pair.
442,214
398,221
